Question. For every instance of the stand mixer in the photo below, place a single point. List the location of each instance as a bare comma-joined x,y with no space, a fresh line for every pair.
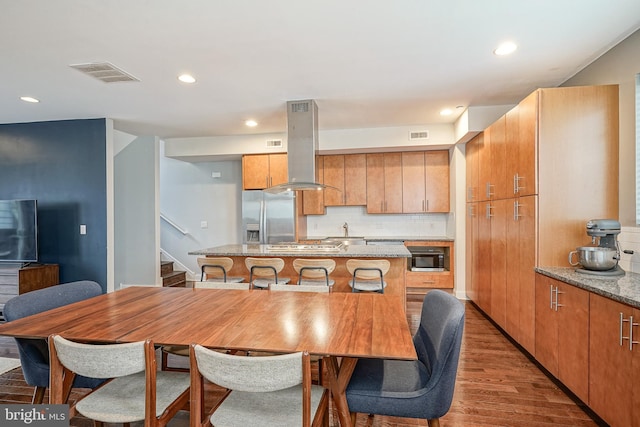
601,259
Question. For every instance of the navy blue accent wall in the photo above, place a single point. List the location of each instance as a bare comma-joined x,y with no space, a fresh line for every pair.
62,165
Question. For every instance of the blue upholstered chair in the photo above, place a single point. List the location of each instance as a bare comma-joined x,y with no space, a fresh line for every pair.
415,389
34,353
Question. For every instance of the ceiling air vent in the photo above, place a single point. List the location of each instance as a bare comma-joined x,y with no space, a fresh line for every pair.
421,134
274,143
105,72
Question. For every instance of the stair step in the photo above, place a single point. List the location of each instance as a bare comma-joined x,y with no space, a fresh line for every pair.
174,279
166,267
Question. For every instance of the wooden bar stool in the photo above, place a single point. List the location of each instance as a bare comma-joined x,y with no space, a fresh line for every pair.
314,272
266,270
215,270
368,275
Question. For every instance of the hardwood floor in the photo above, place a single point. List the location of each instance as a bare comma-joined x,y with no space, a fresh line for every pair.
497,385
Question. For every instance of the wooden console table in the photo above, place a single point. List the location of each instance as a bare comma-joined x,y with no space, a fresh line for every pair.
15,279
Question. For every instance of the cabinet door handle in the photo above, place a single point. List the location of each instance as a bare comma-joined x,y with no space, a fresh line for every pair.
489,193
423,209
516,211
551,297
427,209
558,305
631,341
488,209
516,184
470,194
470,211
622,322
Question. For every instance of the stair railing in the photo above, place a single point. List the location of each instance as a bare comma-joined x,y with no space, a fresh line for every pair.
174,225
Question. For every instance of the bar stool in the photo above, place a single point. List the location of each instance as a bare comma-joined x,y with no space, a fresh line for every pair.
215,270
266,270
314,272
368,275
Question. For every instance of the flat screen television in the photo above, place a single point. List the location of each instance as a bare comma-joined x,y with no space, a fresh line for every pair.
18,231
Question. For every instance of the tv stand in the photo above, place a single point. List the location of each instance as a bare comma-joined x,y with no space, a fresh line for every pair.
17,279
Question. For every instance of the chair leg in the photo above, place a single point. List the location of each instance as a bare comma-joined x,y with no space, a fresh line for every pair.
163,363
38,395
434,422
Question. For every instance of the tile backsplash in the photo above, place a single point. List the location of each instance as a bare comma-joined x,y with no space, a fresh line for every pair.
378,225
629,240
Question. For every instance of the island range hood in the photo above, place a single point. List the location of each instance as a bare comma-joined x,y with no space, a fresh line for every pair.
302,147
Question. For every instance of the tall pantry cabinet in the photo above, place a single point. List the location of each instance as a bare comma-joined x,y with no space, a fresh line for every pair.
534,178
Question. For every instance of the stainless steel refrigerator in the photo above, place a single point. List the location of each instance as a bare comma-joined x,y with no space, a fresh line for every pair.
268,218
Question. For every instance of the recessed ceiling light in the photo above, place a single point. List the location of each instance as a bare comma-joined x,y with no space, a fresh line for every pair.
446,112
505,48
29,99
251,123
186,78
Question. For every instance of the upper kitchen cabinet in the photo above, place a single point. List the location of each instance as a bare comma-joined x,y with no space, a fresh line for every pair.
425,182
525,148
260,171
497,188
384,183
348,173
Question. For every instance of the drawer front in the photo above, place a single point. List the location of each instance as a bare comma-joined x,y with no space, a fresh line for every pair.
8,277
429,280
11,290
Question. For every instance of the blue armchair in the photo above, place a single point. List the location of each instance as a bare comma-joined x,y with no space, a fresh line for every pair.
415,389
34,353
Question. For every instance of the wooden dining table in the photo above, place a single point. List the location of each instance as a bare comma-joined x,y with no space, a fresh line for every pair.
341,327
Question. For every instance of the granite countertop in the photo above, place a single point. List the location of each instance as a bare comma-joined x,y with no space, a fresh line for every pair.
390,238
361,251
624,289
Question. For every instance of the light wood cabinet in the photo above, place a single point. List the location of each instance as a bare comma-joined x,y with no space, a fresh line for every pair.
614,362
498,218
471,251
348,173
555,134
420,281
260,171
497,187
425,182
384,183
562,333
472,154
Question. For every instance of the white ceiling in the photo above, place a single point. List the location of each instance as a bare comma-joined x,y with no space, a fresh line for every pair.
367,63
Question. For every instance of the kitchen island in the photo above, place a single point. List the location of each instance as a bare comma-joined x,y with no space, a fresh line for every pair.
396,254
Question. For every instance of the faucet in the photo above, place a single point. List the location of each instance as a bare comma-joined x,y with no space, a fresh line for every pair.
345,226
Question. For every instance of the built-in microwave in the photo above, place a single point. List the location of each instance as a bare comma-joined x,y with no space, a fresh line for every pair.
427,258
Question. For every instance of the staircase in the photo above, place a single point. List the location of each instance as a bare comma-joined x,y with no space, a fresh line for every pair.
170,277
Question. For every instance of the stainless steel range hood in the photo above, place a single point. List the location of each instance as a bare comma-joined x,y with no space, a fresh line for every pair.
302,147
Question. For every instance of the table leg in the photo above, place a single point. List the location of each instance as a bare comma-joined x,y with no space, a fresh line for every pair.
339,375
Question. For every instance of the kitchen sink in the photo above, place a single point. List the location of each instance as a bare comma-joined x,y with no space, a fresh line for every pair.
344,240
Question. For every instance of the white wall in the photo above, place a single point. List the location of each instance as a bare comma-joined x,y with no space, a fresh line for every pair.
136,218
190,195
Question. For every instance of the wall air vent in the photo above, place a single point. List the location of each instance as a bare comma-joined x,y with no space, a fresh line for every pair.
274,143
105,72
421,134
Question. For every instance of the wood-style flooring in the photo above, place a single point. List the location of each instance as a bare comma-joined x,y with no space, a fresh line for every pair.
497,385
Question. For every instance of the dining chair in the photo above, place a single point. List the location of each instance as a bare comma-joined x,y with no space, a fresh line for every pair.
34,353
266,391
314,271
368,274
215,269
266,271
183,350
135,391
420,388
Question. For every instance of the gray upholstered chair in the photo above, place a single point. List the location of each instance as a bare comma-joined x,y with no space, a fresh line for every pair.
136,391
34,353
266,391
421,388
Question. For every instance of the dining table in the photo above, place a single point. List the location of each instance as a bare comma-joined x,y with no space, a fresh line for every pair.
340,327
